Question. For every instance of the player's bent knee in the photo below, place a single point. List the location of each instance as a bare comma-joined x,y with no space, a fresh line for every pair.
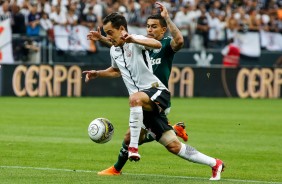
167,137
174,147
134,100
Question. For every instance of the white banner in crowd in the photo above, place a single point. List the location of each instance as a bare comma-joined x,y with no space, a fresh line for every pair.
6,52
249,43
73,38
274,41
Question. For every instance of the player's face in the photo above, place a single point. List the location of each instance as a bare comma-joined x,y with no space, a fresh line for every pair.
154,29
113,34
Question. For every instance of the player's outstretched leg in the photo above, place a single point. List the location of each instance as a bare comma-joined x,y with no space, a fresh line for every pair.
191,154
187,152
117,167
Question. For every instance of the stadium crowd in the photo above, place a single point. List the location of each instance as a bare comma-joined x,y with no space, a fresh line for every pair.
203,23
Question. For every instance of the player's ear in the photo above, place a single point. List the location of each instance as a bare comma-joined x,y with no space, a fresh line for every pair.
164,30
122,28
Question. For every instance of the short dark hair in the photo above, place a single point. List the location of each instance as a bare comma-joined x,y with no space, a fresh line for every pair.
116,19
160,18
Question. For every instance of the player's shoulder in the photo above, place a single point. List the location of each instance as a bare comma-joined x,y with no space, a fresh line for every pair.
167,38
166,41
114,49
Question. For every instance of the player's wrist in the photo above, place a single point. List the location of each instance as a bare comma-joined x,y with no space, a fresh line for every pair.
167,18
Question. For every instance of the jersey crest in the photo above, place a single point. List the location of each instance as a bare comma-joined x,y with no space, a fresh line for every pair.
127,51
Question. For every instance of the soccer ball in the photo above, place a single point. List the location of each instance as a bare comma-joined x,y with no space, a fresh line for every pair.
100,130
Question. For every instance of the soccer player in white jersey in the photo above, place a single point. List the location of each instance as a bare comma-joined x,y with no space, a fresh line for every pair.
131,60
146,93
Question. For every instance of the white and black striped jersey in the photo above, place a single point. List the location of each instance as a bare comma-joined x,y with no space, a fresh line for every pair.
133,61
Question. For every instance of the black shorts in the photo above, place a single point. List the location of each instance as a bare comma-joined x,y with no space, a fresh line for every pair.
160,97
156,121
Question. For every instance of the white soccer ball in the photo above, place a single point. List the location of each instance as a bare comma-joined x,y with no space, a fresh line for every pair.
100,130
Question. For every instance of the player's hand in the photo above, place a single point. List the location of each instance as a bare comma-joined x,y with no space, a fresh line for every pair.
94,35
128,38
164,12
90,74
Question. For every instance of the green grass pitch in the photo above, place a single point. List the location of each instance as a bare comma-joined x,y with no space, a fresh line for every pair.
45,140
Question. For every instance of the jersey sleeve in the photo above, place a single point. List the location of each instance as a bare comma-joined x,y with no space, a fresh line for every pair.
113,62
168,47
140,37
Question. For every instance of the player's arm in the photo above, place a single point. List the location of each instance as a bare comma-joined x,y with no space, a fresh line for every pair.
107,73
177,41
97,36
146,42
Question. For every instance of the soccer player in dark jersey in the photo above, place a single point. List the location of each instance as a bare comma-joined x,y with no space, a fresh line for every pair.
161,62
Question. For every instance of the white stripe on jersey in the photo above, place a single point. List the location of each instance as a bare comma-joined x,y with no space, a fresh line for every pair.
134,63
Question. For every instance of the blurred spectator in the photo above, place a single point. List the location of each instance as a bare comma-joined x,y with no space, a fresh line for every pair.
71,17
33,26
232,26
213,23
202,31
134,21
145,10
98,9
243,20
60,2
47,27
44,6
25,10
254,20
32,51
18,20
89,19
122,10
4,11
183,19
221,29
57,16
80,7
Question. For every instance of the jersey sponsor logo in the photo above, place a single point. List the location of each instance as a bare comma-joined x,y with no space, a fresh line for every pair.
157,50
156,61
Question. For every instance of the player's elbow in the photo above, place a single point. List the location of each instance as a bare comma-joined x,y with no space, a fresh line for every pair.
179,42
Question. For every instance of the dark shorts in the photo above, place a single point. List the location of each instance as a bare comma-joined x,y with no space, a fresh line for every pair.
160,97
156,121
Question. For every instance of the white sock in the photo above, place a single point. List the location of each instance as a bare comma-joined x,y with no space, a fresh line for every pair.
191,154
135,123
